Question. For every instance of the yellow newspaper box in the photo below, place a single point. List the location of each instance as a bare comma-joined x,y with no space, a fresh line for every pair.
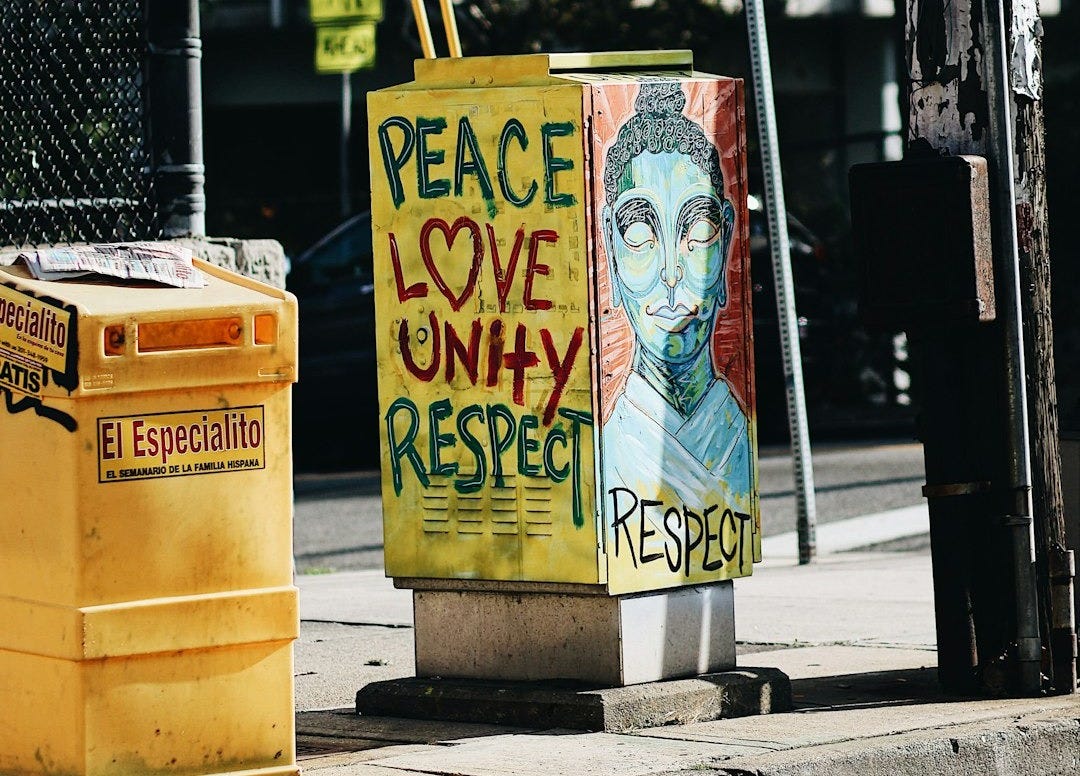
563,322
146,594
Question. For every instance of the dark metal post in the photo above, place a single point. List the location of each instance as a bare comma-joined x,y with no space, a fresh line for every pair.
923,230
175,97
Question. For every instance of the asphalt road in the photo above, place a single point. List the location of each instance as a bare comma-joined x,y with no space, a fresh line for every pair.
339,516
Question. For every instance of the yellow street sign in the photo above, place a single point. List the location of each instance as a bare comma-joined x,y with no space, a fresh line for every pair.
344,48
341,10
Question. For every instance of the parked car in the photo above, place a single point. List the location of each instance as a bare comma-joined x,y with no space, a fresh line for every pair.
335,404
814,306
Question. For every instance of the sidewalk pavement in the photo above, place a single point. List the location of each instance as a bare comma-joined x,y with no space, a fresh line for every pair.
854,632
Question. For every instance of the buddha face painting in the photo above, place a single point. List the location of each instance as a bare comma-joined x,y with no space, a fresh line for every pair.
667,228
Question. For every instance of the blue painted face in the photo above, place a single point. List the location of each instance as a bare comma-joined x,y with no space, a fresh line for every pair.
668,239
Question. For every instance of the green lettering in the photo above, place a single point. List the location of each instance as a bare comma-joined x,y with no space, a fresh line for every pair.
406,446
526,445
500,443
466,140
440,187
476,481
393,161
439,411
577,420
513,129
554,164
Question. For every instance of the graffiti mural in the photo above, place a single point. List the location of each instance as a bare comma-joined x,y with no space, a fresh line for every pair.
677,450
482,301
563,325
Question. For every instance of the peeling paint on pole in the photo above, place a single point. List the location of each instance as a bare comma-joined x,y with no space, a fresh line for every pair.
1025,62
948,102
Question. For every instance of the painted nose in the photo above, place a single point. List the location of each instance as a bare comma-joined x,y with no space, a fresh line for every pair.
668,280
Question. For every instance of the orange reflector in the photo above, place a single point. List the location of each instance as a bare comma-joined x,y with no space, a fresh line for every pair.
114,340
265,329
185,335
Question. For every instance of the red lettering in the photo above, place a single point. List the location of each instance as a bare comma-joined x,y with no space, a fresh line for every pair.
138,437
534,268
505,279
450,234
560,369
470,359
416,290
427,374
112,443
517,362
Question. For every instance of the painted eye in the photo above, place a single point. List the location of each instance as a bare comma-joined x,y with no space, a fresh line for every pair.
701,233
639,235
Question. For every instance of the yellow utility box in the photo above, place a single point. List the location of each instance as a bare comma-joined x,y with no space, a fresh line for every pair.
563,322
146,594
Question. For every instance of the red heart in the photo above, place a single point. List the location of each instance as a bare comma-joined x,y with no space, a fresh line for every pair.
450,234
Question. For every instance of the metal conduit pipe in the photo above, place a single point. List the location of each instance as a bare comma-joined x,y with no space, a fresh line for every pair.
1019,521
175,87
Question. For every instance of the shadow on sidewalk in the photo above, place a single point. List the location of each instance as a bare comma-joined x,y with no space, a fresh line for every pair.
904,687
321,487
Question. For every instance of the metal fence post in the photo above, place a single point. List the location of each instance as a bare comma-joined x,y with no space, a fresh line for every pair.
175,101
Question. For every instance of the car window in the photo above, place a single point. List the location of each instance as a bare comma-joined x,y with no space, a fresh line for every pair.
345,255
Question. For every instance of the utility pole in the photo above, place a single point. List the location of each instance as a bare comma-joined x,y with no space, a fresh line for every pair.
1054,562
971,94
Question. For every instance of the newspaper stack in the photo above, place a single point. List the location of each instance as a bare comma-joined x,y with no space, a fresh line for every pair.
161,262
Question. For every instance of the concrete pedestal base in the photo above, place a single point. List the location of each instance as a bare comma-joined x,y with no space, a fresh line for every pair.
583,636
740,693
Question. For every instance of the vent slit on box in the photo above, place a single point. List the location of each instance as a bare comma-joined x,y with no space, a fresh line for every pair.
188,335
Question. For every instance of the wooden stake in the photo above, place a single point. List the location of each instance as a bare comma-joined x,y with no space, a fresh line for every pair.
453,40
423,29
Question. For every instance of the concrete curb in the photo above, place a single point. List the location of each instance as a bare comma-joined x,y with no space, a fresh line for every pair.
737,693
1031,744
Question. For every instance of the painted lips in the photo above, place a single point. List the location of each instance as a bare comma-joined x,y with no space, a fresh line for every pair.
673,319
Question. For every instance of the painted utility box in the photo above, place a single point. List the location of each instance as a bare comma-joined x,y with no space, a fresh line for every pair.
563,322
146,585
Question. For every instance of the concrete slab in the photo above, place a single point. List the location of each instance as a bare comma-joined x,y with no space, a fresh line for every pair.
839,659
555,754
863,720
346,724
853,533
342,740
551,704
1046,744
355,597
857,598
349,765
332,660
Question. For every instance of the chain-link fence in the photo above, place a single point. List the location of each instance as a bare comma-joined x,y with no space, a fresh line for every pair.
75,160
